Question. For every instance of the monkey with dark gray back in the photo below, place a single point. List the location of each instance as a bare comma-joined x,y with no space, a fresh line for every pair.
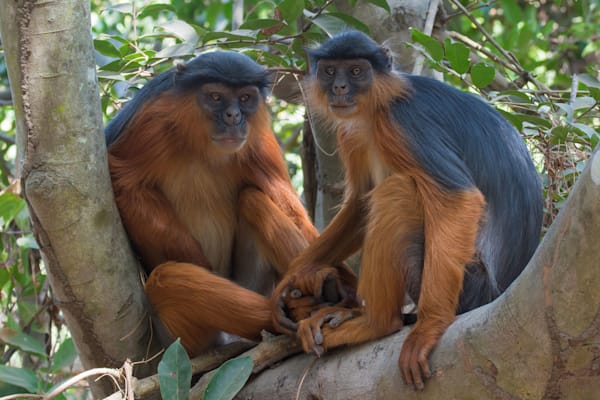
441,197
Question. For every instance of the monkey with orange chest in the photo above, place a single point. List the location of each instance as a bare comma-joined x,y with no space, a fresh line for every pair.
441,197
204,194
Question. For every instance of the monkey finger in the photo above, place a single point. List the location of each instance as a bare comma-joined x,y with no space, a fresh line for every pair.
281,321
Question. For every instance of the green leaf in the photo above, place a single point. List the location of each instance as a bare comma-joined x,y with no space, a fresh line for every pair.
330,24
10,206
27,242
177,50
229,379
105,47
351,21
20,377
512,11
23,341
153,9
255,24
175,373
432,46
123,8
64,356
291,10
217,35
182,30
458,56
585,129
381,3
482,74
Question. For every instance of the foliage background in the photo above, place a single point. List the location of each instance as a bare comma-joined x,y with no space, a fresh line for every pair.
536,61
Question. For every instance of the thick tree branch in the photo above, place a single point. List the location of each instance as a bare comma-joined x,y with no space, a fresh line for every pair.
540,340
64,173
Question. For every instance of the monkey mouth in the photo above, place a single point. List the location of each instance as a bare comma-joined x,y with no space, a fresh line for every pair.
342,109
229,144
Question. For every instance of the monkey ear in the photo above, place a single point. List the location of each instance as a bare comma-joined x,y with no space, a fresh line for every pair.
390,57
180,67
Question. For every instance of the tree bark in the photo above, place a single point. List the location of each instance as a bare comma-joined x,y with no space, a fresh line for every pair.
539,340
64,172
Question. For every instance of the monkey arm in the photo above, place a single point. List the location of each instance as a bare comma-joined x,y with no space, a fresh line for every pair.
154,228
318,275
451,223
281,236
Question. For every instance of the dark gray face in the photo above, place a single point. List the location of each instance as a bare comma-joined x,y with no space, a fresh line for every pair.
343,80
229,108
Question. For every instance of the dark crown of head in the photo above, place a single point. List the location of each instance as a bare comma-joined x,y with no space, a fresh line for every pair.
352,44
227,67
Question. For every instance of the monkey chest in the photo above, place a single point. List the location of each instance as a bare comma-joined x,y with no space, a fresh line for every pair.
207,208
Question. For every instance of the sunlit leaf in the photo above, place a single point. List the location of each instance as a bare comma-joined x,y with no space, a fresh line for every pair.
229,379
585,129
351,21
27,242
381,3
123,8
330,24
153,9
182,30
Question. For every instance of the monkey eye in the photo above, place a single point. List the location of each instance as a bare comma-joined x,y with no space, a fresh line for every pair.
215,96
330,70
355,71
244,98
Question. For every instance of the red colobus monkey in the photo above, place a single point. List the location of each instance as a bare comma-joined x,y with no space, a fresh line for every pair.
205,197
441,197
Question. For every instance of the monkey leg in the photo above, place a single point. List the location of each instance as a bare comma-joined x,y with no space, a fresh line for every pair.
451,226
395,224
195,305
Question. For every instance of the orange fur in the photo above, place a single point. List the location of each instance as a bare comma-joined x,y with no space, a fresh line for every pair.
183,200
390,205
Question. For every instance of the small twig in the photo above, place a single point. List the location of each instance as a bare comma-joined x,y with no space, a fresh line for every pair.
574,85
427,29
476,46
510,57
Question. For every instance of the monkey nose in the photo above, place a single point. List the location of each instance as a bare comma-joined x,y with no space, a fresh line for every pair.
232,117
340,90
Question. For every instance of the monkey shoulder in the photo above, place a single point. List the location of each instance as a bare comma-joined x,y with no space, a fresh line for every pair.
456,137
150,91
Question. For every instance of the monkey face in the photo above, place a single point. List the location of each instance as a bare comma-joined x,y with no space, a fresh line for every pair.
344,81
229,109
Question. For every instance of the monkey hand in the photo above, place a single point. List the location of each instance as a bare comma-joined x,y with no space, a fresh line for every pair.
313,331
413,357
307,290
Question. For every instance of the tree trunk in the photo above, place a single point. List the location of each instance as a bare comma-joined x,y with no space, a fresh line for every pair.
64,172
539,340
